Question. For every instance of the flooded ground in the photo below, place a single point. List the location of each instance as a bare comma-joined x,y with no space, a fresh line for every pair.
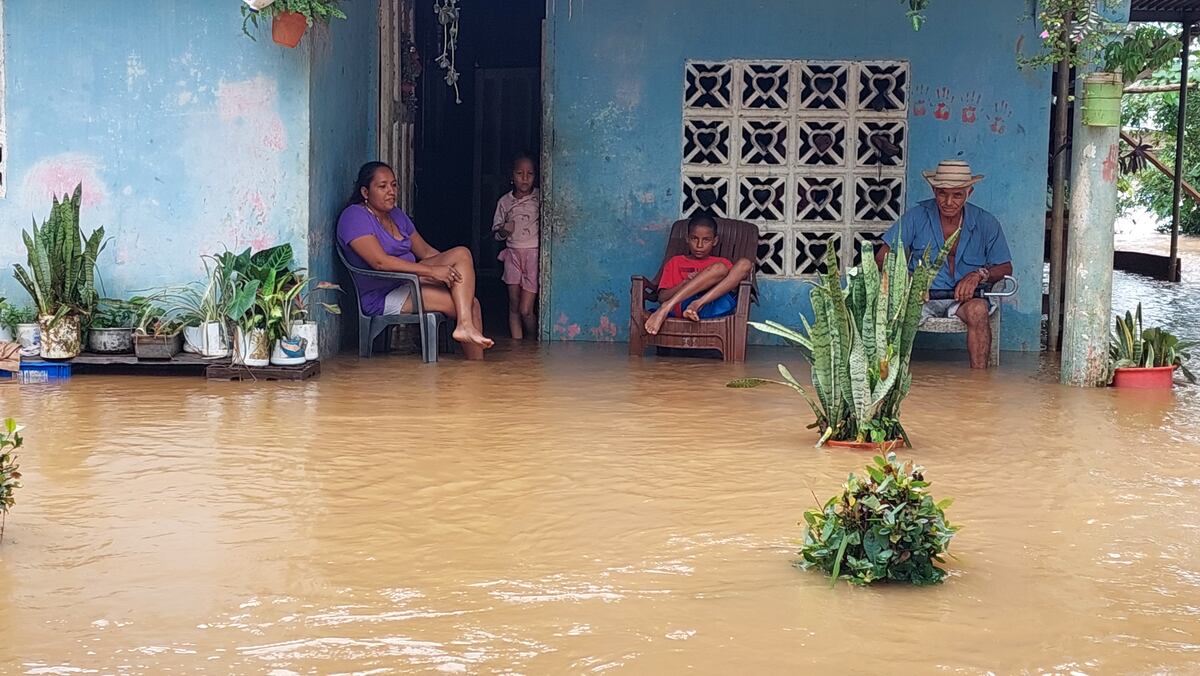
1175,306
571,510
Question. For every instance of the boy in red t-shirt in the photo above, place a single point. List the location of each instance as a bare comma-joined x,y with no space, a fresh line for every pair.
698,285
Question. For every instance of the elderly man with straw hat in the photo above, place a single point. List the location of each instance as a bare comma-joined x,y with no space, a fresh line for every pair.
980,257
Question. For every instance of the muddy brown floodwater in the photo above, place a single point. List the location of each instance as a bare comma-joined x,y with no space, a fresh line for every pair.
570,510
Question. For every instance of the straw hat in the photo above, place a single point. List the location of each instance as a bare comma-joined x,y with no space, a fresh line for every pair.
952,174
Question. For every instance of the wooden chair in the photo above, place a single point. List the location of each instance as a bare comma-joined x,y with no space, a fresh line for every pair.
1001,289
370,326
738,239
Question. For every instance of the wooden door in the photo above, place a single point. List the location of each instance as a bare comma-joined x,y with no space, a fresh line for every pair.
396,124
508,115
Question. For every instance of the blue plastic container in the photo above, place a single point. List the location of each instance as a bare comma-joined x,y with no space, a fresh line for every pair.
40,371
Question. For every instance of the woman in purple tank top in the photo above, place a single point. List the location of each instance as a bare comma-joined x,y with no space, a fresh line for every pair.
374,233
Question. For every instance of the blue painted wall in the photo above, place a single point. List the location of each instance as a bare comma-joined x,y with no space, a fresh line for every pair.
343,109
187,135
615,73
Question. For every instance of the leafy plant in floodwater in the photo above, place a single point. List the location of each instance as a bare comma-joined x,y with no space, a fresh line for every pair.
884,526
10,441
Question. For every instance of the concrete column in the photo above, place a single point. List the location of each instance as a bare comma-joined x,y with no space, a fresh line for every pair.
1088,295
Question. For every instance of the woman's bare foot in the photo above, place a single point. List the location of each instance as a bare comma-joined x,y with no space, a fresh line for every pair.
693,311
469,334
655,321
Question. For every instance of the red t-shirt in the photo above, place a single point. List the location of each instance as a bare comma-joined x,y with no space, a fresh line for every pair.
681,268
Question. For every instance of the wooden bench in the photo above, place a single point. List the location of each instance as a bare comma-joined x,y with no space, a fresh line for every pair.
1007,287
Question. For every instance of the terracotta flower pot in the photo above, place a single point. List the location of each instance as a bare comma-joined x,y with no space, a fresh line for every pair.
287,28
878,447
1154,378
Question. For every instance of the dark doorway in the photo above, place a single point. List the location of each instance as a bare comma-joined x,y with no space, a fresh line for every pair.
464,151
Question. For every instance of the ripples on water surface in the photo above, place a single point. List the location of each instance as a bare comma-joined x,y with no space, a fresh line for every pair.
570,510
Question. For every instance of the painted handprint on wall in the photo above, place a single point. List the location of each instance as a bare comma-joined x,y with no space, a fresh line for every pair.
920,100
970,106
944,101
1000,118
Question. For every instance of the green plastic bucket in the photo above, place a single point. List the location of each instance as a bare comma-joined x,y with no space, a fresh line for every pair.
1102,100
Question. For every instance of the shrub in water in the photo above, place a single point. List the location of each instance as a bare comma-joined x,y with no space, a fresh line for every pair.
10,440
884,526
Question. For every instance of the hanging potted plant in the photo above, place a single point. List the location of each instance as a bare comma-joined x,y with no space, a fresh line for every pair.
111,328
300,323
1146,359
61,276
289,18
859,345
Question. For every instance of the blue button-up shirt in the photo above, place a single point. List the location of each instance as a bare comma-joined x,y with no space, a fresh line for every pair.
980,244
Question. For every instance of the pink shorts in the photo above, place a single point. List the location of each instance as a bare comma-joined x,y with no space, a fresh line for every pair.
521,267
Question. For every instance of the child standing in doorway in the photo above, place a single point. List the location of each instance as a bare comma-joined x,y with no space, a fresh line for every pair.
517,223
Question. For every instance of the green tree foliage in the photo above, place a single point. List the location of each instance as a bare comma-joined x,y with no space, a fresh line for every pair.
1154,119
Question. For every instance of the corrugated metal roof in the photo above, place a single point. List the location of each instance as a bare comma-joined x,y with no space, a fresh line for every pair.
1165,10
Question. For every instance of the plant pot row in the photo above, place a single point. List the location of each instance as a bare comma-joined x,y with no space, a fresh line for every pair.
253,348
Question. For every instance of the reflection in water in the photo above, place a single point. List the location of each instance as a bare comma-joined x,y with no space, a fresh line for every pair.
569,510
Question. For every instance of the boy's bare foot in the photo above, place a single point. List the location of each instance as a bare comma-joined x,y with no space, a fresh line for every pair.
654,322
693,311
473,336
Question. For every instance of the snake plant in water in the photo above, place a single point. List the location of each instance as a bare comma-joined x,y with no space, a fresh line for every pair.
859,344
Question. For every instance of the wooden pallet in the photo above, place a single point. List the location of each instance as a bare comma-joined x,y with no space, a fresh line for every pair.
226,371
118,364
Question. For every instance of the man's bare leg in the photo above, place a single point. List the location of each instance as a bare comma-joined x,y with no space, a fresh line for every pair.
974,313
740,271
704,280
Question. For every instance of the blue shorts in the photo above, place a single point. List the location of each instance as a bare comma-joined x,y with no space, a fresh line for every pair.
722,306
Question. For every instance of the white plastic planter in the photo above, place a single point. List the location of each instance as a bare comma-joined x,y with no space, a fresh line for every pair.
30,338
206,340
253,348
307,331
288,352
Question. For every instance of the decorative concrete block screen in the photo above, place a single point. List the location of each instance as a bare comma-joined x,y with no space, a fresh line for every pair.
814,152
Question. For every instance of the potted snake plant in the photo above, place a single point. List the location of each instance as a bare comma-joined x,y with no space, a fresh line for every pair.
61,275
1146,359
859,345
